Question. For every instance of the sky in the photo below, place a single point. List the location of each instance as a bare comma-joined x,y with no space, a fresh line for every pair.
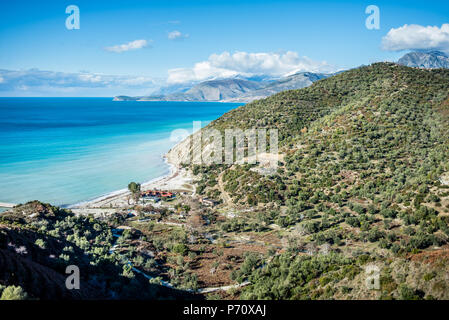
134,47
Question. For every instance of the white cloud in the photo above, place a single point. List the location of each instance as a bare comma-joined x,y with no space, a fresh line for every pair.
177,35
226,65
416,37
40,81
133,45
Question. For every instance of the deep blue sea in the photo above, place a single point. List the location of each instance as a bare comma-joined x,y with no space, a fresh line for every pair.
69,150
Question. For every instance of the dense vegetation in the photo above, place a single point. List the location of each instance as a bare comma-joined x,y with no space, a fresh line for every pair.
38,242
362,183
365,151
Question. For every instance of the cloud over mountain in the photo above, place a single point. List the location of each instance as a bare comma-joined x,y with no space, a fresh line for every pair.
227,65
417,37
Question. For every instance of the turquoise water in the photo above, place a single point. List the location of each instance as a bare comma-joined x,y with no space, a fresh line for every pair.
68,150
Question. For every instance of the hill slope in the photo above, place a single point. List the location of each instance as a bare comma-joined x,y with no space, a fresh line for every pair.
38,242
363,180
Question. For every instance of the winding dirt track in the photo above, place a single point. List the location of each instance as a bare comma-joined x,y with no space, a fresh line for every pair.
226,198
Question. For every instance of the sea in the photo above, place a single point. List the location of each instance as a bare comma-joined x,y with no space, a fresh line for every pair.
69,150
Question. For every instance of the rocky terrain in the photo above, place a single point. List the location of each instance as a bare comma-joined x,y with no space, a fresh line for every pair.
428,60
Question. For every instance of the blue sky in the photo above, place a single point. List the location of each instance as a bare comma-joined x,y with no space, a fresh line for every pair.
33,36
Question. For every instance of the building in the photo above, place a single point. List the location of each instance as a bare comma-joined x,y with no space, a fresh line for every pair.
156,195
208,202
154,199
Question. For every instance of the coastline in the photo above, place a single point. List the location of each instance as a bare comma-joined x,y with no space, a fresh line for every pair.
175,180
130,138
178,179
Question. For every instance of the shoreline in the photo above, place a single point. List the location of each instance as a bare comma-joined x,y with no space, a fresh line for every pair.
81,189
7,205
177,179
120,192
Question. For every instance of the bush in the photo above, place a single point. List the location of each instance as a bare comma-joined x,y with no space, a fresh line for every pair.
353,222
407,293
40,243
180,248
13,293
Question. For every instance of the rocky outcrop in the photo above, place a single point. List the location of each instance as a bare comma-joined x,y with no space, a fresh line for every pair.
428,60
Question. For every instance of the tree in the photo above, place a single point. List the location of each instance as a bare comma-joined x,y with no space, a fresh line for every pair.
40,243
134,188
127,271
180,248
13,293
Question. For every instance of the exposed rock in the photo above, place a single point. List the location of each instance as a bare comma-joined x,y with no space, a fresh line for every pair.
428,60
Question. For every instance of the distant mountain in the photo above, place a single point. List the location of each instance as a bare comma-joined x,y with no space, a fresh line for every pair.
294,81
212,90
428,60
233,90
216,90
174,88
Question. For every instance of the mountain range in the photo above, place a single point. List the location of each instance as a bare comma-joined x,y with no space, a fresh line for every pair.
249,89
233,89
427,60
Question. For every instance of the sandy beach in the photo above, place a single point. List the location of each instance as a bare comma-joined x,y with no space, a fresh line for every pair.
7,205
179,179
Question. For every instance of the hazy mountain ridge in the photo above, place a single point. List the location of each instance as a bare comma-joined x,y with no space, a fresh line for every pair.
234,90
216,90
295,81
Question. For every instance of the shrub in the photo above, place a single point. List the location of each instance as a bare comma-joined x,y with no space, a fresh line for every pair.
13,293
180,248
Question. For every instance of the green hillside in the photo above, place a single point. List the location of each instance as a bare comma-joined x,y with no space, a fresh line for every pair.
362,187
364,175
37,243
